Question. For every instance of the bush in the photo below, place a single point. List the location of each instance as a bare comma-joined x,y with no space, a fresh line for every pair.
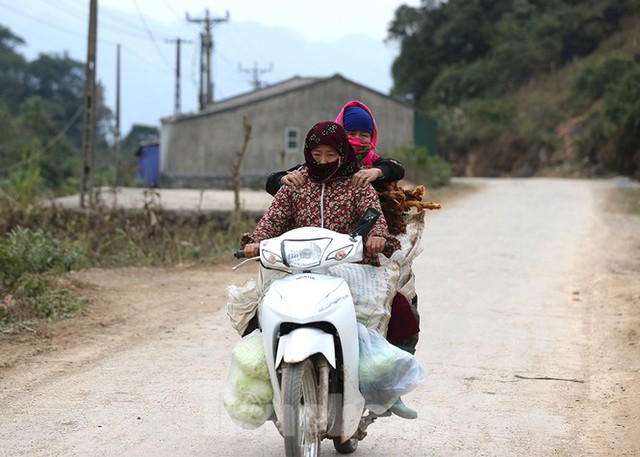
596,76
610,134
424,168
29,261
24,183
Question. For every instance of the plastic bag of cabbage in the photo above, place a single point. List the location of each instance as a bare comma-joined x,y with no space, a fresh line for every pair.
248,393
386,372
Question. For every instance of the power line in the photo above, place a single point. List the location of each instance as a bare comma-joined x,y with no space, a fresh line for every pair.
153,39
37,19
52,142
175,13
64,130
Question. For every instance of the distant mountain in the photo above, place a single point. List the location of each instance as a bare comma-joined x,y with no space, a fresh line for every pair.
278,53
357,57
148,59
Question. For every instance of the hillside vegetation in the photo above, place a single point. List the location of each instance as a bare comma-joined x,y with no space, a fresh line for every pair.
526,87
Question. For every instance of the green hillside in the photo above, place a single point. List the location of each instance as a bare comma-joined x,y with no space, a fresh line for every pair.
523,88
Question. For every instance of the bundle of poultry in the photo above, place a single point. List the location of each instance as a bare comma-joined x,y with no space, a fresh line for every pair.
396,201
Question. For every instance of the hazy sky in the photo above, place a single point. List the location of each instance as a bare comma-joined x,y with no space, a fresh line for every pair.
279,38
332,19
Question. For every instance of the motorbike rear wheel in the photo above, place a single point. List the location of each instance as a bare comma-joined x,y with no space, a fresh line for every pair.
300,410
347,447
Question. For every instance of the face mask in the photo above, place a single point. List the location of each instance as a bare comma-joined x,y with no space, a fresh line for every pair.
323,172
360,147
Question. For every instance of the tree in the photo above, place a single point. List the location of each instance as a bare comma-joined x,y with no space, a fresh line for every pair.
41,103
59,80
448,43
465,61
12,69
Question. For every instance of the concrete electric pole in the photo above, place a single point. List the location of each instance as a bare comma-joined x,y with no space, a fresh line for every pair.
206,49
89,118
117,126
178,42
255,74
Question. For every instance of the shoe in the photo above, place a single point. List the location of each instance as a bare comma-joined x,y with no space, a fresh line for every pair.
402,410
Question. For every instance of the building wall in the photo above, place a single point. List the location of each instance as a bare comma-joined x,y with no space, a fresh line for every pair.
198,151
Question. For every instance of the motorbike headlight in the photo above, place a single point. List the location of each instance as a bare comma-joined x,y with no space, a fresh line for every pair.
304,253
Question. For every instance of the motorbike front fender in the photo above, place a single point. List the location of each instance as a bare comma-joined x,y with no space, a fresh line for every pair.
304,342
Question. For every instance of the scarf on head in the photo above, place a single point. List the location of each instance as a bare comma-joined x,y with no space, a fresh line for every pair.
365,154
331,134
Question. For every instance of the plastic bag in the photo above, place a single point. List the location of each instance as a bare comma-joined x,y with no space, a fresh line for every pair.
242,303
372,289
410,248
250,357
247,392
386,372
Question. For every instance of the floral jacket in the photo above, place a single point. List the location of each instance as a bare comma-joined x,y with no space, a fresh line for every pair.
336,205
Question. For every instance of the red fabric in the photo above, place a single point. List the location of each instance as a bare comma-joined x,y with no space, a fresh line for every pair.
403,322
364,153
370,155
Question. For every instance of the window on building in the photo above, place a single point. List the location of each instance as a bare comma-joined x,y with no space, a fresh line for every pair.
292,140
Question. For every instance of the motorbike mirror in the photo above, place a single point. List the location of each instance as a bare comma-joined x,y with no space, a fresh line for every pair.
366,223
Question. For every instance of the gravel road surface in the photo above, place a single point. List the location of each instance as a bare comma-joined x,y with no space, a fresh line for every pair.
509,287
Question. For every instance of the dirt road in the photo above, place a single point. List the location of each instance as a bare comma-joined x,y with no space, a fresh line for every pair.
530,305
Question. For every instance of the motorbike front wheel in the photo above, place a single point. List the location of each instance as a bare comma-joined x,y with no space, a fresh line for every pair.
348,447
300,409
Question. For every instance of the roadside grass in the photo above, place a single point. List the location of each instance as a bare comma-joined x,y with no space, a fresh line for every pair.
40,245
625,200
31,285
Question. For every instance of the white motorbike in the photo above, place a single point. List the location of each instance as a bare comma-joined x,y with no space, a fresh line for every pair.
310,334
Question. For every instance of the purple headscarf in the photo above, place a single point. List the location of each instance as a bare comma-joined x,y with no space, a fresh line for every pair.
331,134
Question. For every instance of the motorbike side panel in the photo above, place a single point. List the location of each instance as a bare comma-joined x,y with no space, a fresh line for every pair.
305,299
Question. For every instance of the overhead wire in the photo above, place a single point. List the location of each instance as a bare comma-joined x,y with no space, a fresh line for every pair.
64,129
151,36
76,13
127,28
40,20
173,11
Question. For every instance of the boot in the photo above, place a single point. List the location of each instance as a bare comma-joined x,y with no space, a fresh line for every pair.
402,410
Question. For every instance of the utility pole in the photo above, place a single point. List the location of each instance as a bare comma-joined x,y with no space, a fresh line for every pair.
177,41
255,74
89,118
117,132
206,48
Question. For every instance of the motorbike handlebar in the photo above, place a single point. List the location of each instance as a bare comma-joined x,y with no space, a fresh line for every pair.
388,248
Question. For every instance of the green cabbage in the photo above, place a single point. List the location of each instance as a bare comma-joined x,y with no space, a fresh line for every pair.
253,390
378,357
252,414
375,366
249,353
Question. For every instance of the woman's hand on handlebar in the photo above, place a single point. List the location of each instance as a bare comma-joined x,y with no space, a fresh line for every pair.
375,244
251,250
